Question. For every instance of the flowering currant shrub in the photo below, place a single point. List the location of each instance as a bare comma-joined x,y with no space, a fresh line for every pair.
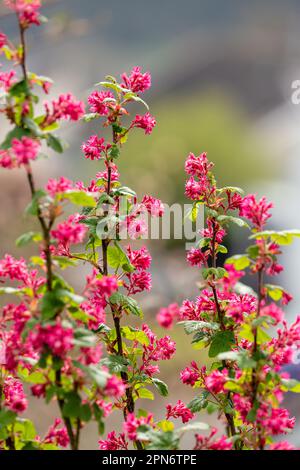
80,350
245,381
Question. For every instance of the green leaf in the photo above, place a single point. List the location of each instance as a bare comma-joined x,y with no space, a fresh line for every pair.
7,417
239,261
127,303
25,429
90,116
274,291
158,439
222,341
242,358
19,88
217,273
114,151
291,385
145,394
51,305
198,426
227,219
161,386
55,143
134,334
231,189
84,338
80,198
85,413
124,191
117,258
27,238
10,290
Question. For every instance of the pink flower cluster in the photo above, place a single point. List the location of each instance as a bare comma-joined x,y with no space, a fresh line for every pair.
95,148
14,397
27,11
167,316
69,232
57,435
114,442
140,279
146,122
7,79
137,81
157,350
21,153
256,211
132,424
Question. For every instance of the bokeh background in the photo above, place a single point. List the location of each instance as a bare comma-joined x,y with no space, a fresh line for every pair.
222,74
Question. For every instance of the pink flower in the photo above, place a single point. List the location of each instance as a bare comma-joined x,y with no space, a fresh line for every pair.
114,387
273,311
179,411
137,81
57,436
196,257
106,285
154,206
14,397
140,259
113,442
216,380
277,421
3,40
221,444
25,149
198,166
70,231
137,228
168,315
139,282
257,211
14,269
58,339
38,390
94,147
61,185
98,101
95,313
132,424
146,122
